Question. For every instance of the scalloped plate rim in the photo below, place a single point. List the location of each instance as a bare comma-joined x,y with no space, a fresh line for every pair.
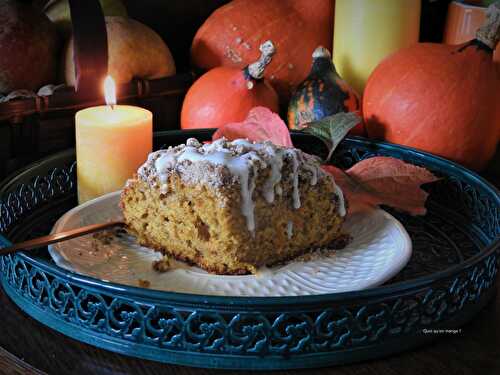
405,254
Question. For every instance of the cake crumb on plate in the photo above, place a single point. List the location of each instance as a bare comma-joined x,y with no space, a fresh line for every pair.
144,283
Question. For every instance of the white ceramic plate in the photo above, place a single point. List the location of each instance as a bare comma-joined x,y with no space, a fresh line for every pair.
380,248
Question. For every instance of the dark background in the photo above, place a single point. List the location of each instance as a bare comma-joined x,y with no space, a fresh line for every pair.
24,140
177,21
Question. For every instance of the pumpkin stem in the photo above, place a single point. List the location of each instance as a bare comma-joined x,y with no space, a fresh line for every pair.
322,61
321,52
489,32
256,70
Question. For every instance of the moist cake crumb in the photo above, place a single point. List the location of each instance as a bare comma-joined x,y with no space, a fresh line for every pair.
162,265
105,236
144,283
232,207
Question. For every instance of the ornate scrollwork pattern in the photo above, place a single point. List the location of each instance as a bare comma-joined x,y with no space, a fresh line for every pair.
42,189
331,328
462,220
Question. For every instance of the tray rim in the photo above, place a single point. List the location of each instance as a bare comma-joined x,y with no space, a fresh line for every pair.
234,302
233,362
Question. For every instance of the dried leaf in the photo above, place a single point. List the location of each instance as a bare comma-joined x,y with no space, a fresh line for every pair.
18,94
48,90
261,124
332,129
384,180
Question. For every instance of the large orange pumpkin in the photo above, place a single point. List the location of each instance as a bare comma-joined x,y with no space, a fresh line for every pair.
232,34
439,98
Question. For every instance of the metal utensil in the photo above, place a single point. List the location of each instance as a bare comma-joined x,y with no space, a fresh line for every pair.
61,236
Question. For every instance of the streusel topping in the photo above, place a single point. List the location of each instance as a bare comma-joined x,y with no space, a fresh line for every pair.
224,162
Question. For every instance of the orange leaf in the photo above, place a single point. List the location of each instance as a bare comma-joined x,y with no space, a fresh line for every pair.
384,180
261,124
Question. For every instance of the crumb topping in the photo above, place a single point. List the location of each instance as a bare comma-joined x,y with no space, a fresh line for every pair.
184,158
242,162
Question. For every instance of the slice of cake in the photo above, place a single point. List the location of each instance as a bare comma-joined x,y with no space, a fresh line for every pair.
232,207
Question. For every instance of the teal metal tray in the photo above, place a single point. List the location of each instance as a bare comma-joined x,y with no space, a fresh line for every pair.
449,278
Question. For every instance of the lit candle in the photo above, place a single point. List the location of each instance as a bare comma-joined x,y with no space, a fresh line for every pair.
112,141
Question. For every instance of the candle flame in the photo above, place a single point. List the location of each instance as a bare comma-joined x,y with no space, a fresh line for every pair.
110,91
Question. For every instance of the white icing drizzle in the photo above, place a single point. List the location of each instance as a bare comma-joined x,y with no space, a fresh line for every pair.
274,178
279,189
295,179
247,188
341,204
340,194
314,173
243,159
289,229
163,163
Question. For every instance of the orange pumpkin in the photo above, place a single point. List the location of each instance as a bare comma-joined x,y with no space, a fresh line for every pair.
232,34
439,98
225,95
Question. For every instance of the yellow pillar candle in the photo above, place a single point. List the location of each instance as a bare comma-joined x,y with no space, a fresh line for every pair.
366,31
112,141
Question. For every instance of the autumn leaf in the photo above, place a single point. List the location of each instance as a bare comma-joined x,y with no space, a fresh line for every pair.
261,124
332,129
384,180
369,183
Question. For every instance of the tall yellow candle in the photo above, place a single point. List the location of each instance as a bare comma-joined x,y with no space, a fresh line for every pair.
112,141
366,31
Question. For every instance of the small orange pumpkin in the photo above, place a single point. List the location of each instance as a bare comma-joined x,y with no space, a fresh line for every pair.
224,95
